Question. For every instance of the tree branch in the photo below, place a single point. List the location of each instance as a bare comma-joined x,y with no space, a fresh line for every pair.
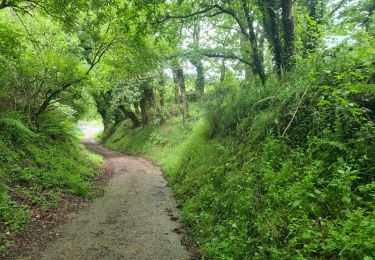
232,13
229,57
258,66
337,7
3,4
167,17
221,9
50,96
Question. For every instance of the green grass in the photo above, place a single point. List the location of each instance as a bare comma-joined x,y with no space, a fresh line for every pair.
162,144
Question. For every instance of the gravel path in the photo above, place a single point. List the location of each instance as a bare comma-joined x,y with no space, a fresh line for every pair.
133,220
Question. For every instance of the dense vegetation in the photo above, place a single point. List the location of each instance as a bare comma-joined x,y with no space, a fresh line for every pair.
261,113
35,174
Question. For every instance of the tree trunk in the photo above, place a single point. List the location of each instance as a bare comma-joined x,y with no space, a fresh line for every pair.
200,80
131,115
274,36
180,79
176,87
197,62
102,106
161,91
222,70
162,88
245,48
288,27
261,36
258,66
313,31
145,103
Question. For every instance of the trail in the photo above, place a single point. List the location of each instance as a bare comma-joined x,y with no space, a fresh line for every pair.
133,220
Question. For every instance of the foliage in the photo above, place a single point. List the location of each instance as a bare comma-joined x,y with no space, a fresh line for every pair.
284,174
34,172
14,130
287,170
58,124
154,141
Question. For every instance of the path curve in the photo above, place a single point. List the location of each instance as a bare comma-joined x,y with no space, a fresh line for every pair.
133,220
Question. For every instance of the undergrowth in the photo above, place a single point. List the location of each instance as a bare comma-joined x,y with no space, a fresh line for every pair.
251,191
37,169
280,172
161,143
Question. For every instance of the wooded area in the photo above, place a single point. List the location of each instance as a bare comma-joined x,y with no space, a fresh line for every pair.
260,111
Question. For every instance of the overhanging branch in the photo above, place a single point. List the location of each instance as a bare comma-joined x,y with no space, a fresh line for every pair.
203,13
228,56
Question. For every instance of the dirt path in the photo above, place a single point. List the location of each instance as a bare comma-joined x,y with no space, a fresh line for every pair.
133,220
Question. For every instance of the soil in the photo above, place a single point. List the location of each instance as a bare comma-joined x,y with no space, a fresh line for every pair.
136,218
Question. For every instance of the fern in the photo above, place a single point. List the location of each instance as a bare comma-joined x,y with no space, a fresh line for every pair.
14,130
56,126
330,143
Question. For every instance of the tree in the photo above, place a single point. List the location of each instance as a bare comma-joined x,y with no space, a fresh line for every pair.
315,20
179,78
195,58
275,19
